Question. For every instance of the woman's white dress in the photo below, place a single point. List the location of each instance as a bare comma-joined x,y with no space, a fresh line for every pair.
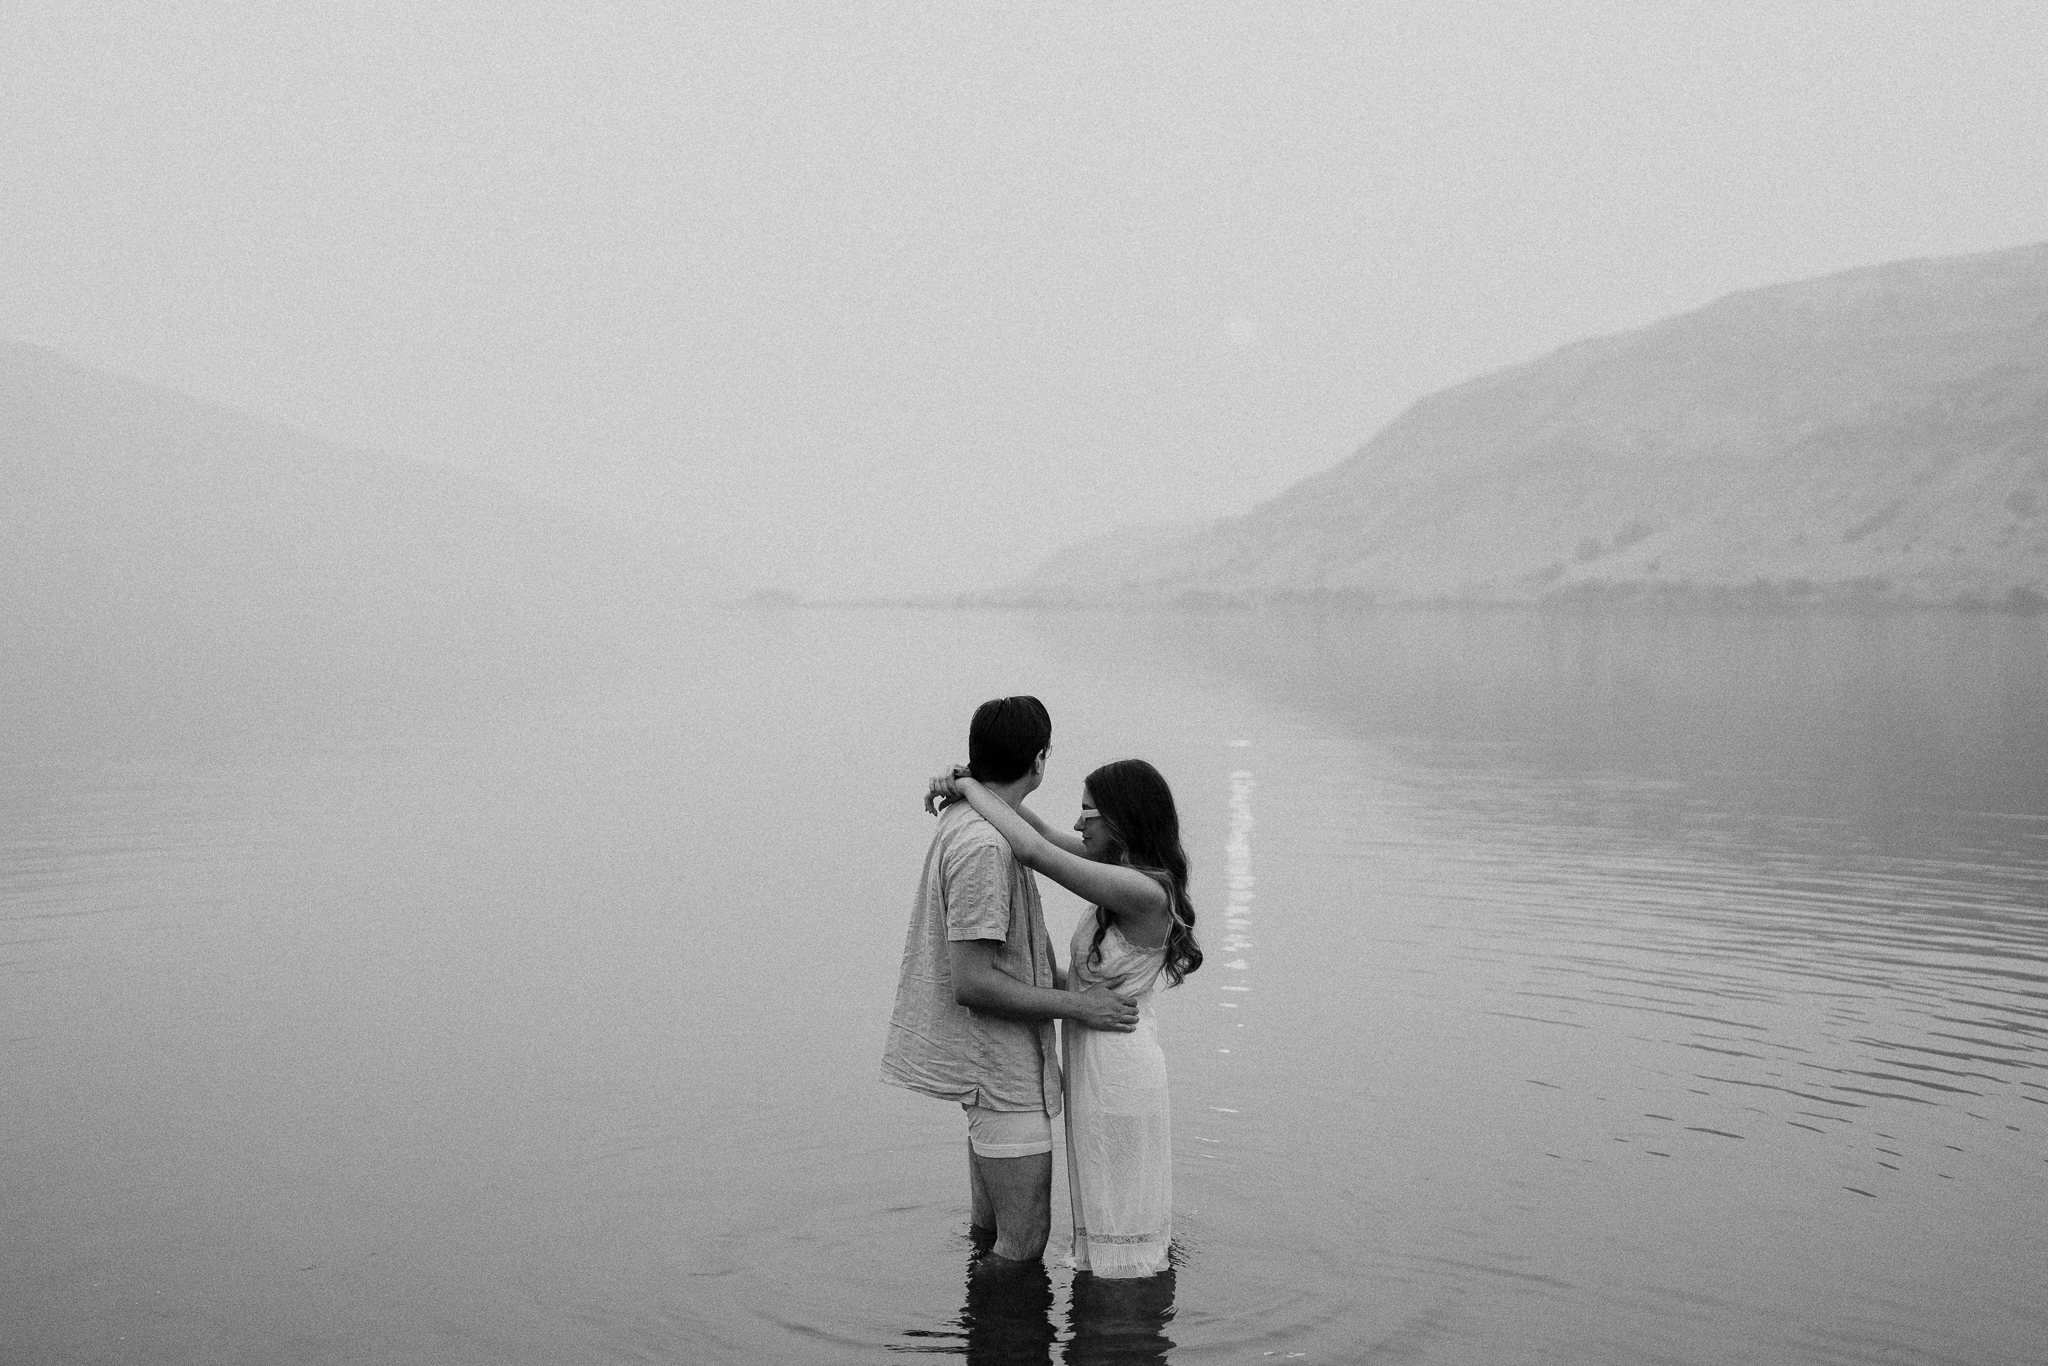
1119,1136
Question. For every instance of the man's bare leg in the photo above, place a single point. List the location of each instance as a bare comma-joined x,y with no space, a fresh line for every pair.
981,1224
1019,1191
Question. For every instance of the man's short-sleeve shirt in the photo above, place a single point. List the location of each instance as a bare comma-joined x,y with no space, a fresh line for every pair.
973,888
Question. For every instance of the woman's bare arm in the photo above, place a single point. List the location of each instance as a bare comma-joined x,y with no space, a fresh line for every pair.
944,790
1120,890
1063,839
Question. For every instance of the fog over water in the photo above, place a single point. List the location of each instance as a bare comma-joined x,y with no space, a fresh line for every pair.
437,926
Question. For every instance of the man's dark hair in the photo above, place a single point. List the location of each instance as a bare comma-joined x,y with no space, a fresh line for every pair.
1005,736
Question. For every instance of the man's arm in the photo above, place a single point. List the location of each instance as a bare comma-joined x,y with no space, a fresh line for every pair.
979,984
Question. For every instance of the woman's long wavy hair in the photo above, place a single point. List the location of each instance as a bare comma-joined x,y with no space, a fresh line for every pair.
1137,806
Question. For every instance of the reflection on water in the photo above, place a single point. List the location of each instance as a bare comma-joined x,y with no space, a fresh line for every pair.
1624,991
1684,977
1010,1319
1117,1321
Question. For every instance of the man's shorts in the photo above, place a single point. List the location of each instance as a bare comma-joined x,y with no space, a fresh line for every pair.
1008,1133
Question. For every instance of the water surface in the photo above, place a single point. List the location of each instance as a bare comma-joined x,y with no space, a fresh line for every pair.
1579,990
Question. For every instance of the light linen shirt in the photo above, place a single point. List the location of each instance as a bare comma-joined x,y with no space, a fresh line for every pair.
973,888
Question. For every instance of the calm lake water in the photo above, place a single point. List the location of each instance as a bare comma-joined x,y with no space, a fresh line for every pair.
1579,990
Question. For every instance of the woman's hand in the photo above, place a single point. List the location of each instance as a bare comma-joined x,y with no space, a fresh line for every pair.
944,789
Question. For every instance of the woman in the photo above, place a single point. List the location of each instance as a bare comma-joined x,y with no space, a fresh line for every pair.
1126,859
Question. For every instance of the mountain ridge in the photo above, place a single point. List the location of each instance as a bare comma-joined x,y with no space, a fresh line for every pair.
1877,436
169,563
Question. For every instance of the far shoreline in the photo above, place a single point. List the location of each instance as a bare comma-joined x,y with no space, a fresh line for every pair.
1761,599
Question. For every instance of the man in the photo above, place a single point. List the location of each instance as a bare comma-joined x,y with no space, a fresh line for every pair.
979,991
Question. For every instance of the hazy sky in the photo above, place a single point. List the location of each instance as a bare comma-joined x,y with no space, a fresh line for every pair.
891,297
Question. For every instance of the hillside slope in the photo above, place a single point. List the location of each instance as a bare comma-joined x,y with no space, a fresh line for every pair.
165,562
1875,436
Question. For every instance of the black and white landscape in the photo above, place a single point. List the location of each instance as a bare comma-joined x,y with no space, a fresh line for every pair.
505,508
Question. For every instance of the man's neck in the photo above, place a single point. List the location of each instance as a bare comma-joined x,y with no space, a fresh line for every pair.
1012,792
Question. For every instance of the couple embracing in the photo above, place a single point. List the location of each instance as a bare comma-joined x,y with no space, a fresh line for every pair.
980,990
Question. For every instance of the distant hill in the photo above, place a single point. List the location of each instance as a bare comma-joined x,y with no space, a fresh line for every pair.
1877,436
1078,570
170,565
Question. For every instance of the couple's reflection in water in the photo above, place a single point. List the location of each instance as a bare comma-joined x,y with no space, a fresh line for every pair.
1008,1319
